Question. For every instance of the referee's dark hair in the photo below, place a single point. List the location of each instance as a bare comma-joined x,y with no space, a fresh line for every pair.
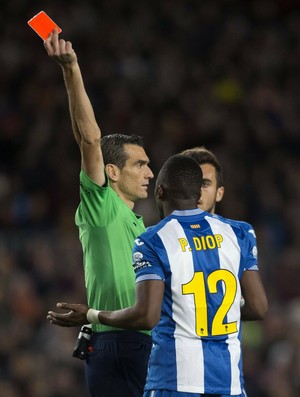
181,178
113,148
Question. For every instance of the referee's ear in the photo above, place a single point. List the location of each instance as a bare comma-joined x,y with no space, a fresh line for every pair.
113,172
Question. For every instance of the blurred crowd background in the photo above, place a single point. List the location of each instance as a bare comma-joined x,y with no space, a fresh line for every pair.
224,74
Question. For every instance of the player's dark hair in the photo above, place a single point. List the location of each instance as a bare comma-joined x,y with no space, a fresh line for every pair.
113,149
204,156
182,177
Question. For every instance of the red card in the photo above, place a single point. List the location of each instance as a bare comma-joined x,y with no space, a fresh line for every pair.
43,25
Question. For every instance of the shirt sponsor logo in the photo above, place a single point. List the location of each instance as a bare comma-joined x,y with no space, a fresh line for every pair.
141,265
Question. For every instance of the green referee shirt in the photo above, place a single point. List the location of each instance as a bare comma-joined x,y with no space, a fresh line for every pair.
107,230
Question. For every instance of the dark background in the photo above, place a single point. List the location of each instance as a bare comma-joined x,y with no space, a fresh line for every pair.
224,74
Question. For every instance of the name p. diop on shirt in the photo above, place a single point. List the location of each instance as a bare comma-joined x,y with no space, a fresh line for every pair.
211,241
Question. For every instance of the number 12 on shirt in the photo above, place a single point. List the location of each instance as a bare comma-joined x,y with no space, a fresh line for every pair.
197,287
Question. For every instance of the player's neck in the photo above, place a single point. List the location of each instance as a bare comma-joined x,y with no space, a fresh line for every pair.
182,205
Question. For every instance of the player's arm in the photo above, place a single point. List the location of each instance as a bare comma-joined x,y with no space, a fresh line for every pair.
144,314
253,291
86,130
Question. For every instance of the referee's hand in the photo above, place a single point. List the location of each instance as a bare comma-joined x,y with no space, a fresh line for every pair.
75,316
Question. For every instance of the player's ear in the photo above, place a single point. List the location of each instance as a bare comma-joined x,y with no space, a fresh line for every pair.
160,192
220,194
113,172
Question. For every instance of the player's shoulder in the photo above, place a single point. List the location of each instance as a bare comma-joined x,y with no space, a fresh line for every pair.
236,224
154,230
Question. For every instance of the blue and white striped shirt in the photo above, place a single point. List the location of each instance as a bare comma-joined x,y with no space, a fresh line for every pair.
201,259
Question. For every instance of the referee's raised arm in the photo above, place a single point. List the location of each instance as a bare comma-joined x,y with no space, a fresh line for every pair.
86,130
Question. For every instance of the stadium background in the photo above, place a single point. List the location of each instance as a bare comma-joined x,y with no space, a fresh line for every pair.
180,73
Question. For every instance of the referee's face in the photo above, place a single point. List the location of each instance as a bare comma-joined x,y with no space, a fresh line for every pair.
134,177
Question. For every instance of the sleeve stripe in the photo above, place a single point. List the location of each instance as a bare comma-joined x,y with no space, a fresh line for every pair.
145,277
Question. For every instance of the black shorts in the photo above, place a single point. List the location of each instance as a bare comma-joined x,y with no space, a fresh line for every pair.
117,365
